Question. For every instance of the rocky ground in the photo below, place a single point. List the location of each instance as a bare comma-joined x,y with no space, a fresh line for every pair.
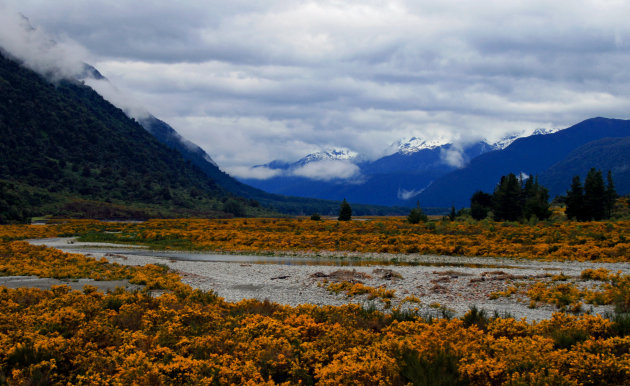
434,284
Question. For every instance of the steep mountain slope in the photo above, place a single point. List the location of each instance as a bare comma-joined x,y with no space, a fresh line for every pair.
605,154
530,155
71,152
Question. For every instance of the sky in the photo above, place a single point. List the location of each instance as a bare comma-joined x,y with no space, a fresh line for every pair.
256,81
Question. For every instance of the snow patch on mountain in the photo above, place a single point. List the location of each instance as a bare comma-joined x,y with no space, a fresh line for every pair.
337,154
414,144
325,165
507,140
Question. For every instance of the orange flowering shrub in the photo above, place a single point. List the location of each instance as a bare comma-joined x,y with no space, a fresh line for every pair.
598,241
64,336
546,240
187,336
601,274
354,289
615,289
21,258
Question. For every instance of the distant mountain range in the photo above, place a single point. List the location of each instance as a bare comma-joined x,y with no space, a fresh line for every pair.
441,174
290,204
398,178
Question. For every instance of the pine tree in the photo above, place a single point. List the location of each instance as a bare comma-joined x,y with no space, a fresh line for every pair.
345,211
575,200
453,214
480,205
594,196
611,194
535,200
506,198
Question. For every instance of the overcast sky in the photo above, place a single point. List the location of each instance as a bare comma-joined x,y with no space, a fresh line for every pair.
254,81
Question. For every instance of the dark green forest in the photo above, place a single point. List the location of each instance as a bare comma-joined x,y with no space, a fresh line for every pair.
66,151
513,199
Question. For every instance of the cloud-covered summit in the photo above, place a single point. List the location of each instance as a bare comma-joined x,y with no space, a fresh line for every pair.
57,59
256,81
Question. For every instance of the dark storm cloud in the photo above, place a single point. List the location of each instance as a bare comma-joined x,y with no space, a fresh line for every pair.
278,79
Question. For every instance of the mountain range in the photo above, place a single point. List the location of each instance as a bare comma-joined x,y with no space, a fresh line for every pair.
598,142
398,178
440,174
68,151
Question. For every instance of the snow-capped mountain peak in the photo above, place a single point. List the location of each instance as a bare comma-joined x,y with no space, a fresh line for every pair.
414,144
543,131
337,154
507,140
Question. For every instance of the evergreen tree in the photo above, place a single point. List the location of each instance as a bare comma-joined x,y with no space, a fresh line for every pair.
453,214
611,194
594,196
575,200
416,215
480,205
345,211
507,198
535,200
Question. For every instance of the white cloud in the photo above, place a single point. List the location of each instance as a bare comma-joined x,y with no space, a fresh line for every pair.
404,194
258,172
453,156
59,58
114,95
328,170
255,81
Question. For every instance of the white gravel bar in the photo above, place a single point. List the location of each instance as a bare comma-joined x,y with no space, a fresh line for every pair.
452,282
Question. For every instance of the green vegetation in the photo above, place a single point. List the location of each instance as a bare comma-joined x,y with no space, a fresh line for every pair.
345,211
66,151
513,199
593,201
416,215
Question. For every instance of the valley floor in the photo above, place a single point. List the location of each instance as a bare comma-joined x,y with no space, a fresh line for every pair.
431,284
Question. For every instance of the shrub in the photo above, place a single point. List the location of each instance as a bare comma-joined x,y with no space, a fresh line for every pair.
416,215
437,369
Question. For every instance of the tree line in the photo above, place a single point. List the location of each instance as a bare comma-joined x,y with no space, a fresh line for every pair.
593,201
514,198
522,198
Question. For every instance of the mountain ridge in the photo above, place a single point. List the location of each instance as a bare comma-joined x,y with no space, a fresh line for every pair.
531,155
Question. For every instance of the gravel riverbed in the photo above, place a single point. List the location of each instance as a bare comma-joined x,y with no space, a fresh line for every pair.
439,282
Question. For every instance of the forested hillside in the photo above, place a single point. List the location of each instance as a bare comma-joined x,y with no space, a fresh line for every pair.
67,151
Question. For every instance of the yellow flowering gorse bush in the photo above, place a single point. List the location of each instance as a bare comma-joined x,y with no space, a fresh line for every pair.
186,336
